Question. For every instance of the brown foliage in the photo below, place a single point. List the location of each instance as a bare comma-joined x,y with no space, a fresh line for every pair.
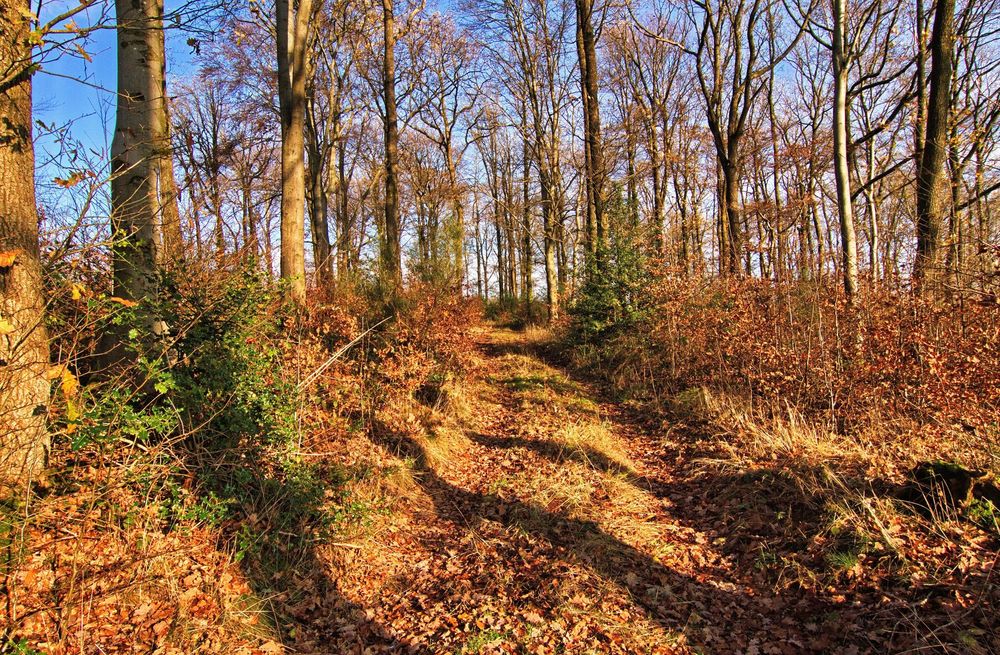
933,366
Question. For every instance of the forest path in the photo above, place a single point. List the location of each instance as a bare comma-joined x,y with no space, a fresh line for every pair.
546,518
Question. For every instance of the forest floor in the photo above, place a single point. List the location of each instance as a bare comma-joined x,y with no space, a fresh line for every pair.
536,514
516,507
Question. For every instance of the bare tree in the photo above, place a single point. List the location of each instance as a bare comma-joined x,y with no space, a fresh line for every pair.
446,97
933,194
292,42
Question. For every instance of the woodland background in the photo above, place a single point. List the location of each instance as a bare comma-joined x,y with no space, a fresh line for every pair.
764,233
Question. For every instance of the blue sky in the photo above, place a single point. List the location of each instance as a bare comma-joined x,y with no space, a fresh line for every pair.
70,91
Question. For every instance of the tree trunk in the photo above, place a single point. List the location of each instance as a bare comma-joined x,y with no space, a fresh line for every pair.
590,218
526,285
320,226
390,256
932,188
24,346
319,206
549,245
595,162
456,228
842,171
136,149
731,225
656,220
292,26
173,239
343,214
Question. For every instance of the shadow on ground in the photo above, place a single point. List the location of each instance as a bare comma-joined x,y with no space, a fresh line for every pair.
764,520
701,610
277,538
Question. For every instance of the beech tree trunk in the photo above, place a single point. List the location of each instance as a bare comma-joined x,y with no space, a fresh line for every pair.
293,26
597,195
392,267
549,245
319,222
319,204
590,219
24,346
141,202
344,241
933,193
842,171
526,255
172,239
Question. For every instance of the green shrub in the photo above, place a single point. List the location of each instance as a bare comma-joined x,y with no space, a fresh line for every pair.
615,294
228,379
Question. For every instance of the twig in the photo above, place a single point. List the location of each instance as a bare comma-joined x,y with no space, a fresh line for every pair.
309,379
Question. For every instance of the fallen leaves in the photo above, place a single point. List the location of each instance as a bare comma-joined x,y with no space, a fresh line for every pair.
509,544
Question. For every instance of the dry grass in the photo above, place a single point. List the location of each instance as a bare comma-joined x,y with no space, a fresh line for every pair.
563,491
595,445
787,434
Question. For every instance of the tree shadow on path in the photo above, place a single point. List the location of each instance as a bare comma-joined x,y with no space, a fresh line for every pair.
278,547
721,618
764,518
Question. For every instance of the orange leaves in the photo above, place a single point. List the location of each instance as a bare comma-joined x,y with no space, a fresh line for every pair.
8,257
896,355
70,387
82,52
75,177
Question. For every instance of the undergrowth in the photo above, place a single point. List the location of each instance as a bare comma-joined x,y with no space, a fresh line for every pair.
195,480
795,406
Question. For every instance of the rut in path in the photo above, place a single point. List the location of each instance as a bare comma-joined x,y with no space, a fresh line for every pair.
545,518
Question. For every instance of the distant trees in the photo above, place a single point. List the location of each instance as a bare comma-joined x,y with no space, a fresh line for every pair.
446,96
413,145
736,144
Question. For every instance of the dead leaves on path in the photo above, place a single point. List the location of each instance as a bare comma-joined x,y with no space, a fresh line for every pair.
537,519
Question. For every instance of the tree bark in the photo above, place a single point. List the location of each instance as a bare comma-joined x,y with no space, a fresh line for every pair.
292,33
344,249
173,238
842,171
596,173
24,346
932,184
390,255
526,255
319,204
137,207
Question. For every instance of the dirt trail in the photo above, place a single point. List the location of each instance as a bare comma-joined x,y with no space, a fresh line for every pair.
543,518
